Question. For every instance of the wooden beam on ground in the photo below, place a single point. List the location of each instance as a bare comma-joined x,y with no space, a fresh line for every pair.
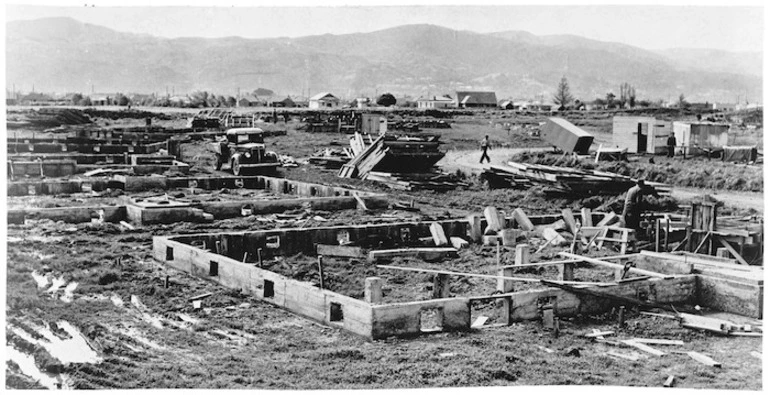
644,348
669,382
624,356
664,342
490,276
693,321
599,334
613,265
704,359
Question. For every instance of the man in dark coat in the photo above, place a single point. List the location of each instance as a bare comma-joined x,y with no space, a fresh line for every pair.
671,143
632,207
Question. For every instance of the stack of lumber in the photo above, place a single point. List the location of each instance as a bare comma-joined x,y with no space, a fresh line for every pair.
501,177
330,158
403,162
568,180
414,181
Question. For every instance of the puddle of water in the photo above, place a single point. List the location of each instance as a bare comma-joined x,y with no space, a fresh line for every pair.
74,349
69,292
28,368
56,283
41,280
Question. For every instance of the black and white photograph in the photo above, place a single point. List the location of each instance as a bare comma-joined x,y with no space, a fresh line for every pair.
356,195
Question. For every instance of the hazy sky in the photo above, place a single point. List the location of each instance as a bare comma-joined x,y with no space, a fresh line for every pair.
736,28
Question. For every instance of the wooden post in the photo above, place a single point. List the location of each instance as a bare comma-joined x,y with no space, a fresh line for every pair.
440,286
259,257
504,285
621,316
373,290
165,282
567,271
321,271
498,253
665,239
657,235
548,318
556,327
522,254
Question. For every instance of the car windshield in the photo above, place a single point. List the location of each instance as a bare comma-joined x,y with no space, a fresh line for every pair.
243,138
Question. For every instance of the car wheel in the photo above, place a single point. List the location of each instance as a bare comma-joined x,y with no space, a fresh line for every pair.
236,166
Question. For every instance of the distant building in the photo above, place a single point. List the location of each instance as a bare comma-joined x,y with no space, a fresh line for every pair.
435,102
362,102
476,100
700,134
641,134
324,100
285,103
724,106
250,101
506,105
102,99
35,98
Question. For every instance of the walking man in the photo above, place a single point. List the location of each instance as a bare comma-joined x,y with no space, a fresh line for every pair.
632,207
671,143
484,148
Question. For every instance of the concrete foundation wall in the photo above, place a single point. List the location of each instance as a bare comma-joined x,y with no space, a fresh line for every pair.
25,188
293,241
71,214
676,290
298,297
406,319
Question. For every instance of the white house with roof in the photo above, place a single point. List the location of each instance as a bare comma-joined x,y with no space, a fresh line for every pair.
435,102
323,100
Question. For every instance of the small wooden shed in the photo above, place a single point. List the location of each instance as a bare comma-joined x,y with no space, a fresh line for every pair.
641,134
564,135
707,135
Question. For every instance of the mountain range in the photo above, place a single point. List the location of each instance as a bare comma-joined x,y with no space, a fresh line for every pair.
65,55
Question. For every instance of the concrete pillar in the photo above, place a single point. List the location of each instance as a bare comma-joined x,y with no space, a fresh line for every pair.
522,254
440,286
474,228
567,272
373,290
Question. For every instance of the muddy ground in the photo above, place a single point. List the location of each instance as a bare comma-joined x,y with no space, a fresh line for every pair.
147,335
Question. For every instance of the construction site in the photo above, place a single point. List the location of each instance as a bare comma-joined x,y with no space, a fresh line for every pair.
368,249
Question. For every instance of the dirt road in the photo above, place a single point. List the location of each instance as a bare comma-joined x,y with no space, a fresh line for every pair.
468,161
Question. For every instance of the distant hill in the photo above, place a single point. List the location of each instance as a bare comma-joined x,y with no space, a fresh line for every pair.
62,54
